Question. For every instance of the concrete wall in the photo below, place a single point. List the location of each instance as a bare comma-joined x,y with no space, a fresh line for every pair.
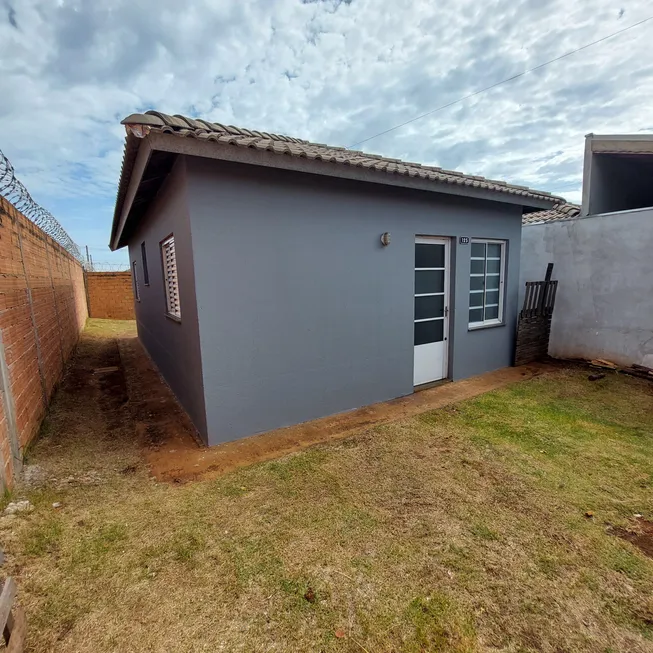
110,295
172,345
42,312
604,265
303,313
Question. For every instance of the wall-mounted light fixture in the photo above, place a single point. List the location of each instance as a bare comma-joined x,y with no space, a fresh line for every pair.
385,239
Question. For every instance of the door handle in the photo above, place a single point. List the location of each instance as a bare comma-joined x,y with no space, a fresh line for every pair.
446,311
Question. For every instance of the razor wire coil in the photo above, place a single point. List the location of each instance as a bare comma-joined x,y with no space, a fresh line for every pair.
15,192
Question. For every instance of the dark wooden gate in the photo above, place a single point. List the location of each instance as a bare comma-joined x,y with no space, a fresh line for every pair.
534,326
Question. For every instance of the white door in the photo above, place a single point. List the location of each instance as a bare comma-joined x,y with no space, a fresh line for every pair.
431,309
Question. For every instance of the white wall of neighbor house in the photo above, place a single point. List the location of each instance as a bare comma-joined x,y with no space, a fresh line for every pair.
604,267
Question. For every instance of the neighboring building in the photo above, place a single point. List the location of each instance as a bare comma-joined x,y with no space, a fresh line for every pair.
278,280
601,254
617,173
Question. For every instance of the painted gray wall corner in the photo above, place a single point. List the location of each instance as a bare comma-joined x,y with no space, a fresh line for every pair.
173,346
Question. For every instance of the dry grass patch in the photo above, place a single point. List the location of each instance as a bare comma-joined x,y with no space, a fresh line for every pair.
462,530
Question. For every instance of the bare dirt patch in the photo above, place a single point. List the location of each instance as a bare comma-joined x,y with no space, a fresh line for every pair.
91,430
170,443
640,534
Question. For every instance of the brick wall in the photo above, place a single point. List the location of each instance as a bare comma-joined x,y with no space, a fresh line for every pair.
110,295
42,312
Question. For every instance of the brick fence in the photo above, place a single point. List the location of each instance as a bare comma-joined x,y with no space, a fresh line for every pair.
110,295
42,312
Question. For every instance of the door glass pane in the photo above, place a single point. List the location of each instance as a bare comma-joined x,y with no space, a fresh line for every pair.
429,256
475,299
478,267
478,249
426,332
491,312
494,250
492,265
492,282
429,281
476,283
429,307
475,314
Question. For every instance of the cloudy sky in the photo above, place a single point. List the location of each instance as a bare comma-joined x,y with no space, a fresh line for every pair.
334,71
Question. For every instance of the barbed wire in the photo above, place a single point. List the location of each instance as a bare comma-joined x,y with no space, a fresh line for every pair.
104,266
14,191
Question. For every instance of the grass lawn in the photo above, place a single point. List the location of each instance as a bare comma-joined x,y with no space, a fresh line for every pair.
463,529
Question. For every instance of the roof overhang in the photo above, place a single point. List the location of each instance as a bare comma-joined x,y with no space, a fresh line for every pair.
620,143
632,146
150,154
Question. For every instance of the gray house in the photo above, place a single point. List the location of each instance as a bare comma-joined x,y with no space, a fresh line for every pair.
279,280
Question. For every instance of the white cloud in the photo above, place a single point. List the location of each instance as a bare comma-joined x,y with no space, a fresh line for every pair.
330,71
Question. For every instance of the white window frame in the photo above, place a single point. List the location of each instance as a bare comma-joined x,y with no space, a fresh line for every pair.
137,291
502,273
172,311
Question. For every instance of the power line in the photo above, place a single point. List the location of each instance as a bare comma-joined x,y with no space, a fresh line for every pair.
503,81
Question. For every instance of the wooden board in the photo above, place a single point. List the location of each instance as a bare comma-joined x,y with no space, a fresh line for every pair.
18,631
7,600
607,365
638,373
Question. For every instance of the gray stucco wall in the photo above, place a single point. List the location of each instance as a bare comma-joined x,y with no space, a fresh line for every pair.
302,313
604,269
173,346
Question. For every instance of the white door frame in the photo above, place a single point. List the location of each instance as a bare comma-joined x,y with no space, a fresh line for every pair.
431,361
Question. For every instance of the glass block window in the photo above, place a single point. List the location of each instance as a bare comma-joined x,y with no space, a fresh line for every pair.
486,282
137,294
171,283
146,272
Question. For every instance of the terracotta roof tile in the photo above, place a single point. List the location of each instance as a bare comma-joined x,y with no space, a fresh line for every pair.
182,126
562,211
197,128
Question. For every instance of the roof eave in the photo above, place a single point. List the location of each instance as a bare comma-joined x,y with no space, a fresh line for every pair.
620,143
191,146
144,135
620,137
137,154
